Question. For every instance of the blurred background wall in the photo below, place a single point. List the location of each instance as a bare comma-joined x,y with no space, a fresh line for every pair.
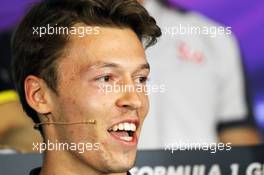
246,18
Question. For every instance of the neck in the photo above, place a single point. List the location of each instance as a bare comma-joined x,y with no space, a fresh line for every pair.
62,162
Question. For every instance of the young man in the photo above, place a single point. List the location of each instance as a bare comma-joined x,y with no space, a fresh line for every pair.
60,76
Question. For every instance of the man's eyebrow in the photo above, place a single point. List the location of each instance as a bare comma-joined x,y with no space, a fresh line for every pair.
144,66
114,65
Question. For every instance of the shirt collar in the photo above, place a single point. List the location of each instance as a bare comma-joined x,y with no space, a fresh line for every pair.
36,171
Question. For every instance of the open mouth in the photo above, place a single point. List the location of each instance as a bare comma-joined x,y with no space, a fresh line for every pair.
124,131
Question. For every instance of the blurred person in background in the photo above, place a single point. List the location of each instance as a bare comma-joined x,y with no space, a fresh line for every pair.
205,95
16,129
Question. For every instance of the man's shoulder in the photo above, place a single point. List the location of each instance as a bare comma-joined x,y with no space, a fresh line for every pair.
35,171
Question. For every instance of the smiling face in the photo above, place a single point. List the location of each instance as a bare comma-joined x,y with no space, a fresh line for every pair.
115,56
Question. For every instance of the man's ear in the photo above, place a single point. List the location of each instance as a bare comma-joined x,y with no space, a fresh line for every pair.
38,94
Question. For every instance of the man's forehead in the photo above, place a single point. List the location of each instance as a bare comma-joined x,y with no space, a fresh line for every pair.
87,51
127,66
80,66
109,40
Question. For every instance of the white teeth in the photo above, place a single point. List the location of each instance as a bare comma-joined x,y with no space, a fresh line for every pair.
126,138
115,128
124,127
132,127
120,126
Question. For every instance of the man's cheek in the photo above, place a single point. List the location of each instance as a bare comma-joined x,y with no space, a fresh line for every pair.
144,107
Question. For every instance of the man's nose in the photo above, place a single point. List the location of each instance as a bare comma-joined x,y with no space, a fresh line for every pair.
129,98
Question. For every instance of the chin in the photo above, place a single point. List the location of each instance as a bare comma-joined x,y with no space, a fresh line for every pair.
115,167
121,168
123,164
116,163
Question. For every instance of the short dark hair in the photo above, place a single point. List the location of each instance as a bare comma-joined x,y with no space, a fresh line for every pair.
35,55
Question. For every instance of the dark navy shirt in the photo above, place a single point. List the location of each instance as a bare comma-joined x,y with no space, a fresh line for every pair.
5,61
36,171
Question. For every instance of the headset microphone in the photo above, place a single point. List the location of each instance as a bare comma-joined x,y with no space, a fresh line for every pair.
37,125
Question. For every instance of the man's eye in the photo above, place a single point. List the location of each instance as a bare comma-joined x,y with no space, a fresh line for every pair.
142,79
105,78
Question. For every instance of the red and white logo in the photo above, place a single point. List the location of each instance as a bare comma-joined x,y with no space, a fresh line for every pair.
186,54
